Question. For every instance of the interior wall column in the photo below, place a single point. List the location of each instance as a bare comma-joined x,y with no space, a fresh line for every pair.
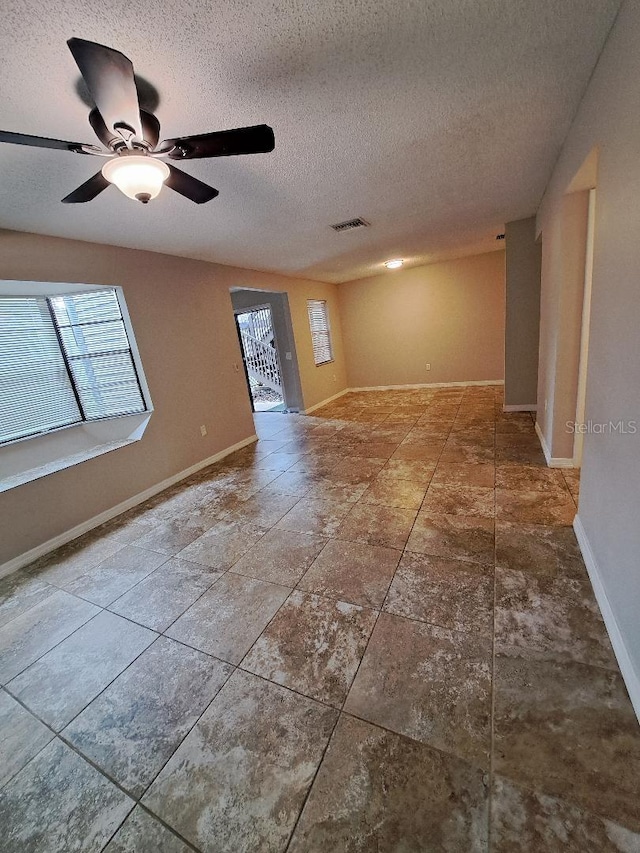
522,322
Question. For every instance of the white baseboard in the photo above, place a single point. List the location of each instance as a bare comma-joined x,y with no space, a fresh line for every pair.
326,402
62,539
553,461
543,442
629,674
429,385
521,407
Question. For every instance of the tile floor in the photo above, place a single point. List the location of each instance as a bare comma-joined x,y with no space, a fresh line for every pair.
371,632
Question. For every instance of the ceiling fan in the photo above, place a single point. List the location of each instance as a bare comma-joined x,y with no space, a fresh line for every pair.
131,136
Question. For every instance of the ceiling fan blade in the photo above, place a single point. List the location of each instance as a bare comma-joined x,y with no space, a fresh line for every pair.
110,79
189,187
45,142
221,143
88,191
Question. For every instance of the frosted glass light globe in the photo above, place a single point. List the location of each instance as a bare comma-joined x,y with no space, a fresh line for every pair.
136,175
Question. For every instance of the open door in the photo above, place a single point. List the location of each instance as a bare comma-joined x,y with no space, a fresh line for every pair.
260,358
244,364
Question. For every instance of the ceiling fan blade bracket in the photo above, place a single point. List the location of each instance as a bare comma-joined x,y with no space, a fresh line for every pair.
181,152
93,150
164,152
125,130
114,141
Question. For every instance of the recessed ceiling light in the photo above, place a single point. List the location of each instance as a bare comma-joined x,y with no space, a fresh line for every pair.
395,264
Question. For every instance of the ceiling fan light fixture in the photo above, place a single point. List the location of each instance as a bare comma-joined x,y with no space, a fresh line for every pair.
136,175
393,264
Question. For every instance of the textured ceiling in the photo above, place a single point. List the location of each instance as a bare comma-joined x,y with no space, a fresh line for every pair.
435,120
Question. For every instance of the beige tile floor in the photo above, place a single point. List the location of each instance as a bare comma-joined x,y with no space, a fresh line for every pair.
371,632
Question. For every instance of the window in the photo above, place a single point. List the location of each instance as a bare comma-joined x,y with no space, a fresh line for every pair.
64,359
320,331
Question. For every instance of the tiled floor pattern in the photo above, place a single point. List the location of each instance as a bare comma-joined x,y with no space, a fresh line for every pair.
371,631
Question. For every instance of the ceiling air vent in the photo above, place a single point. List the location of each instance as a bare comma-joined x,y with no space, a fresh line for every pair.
358,222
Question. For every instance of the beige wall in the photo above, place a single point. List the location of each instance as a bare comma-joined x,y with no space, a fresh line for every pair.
449,314
609,509
522,332
183,321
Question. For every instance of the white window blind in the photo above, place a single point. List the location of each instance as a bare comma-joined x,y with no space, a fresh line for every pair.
63,360
35,390
97,350
320,331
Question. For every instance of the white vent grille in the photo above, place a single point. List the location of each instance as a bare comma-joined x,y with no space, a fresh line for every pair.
358,222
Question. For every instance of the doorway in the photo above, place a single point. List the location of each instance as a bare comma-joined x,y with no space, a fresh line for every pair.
267,313
260,358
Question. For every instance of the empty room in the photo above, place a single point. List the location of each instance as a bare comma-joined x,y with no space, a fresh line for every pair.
319,427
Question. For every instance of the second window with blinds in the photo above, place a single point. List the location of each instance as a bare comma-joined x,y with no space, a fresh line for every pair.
64,359
320,331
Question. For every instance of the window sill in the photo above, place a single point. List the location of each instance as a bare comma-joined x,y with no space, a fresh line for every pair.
31,459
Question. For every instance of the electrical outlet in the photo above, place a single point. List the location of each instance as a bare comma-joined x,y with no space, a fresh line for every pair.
428,365
203,430
288,356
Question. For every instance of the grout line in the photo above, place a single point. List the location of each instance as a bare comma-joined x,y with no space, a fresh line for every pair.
315,775
55,646
364,653
289,689
54,734
183,739
168,826
137,798
421,743
339,716
365,425
182,612
250,649
353,680
89,574
481,635
93,698
118,828
493,686
58,736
